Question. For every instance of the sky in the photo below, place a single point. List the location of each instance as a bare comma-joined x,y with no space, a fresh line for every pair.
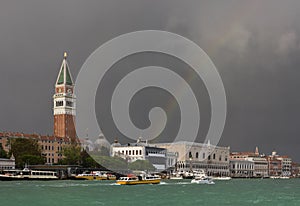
255,45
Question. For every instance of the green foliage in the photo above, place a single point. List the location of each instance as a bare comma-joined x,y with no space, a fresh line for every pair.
3,153
112,163
71,155
32,159
141,165
87,160
26,151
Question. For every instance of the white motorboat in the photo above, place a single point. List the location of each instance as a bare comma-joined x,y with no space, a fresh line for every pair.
284,177
200,177
203,180
221,178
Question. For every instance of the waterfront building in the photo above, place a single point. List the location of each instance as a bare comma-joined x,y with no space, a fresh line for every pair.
192,156
241,167
260,163
295,169
7,164
279,165
286,165
260,166
51,146
141,150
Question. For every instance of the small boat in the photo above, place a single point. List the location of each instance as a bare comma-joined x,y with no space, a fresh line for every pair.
176,178
221,178
96,175
284,177
203,180
140,179
27,174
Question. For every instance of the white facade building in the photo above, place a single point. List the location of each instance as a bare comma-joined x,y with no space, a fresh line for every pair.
7,164
260,166
286,165
259,162
158,157
241,168
213,159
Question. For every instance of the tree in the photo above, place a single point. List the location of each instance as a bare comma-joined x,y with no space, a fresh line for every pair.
3,153
26,151
111,163
141,165
71,155
87,160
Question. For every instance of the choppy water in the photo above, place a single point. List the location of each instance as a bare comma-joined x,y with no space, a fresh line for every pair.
170,192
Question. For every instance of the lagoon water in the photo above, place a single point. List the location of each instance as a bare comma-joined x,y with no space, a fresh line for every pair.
239,192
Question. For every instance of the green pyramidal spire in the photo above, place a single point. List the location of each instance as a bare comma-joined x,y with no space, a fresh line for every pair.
64,76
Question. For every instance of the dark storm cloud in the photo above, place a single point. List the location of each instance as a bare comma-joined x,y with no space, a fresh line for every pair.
255,46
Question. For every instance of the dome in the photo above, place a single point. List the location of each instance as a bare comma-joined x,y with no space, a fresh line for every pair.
101,141
87,145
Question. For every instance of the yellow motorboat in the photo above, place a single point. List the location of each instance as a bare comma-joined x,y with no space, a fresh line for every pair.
96,176
141,179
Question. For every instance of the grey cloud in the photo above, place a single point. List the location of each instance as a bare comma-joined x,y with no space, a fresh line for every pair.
254,45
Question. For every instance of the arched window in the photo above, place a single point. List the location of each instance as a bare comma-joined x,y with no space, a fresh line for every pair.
59,103
214,156
208,157
190,155
69,104
197,155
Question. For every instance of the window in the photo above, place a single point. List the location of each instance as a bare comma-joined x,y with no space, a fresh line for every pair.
220,158
140,152
208,157
129,152
190,155
132,152
136,152
59,103
69,104
203,155
197,155
225,158
214,156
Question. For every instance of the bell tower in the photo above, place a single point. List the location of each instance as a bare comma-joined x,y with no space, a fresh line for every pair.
64,103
